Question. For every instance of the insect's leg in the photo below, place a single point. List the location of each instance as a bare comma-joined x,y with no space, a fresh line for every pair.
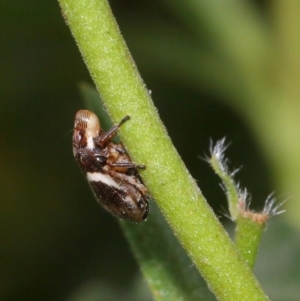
128,179
128,164
90,160
119,160
104,137
120,149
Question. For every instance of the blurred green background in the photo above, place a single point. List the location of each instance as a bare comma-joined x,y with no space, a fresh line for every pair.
57,243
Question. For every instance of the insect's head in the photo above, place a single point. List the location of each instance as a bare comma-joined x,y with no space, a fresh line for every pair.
86,127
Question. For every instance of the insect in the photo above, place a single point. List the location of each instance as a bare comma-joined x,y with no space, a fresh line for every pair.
108,168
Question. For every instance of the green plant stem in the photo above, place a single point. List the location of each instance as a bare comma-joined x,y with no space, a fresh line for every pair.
248,235
230,187
169,272
111,66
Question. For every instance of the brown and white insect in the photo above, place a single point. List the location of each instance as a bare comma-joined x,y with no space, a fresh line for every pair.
108,168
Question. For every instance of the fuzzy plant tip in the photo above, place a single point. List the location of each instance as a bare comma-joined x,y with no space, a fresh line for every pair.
238,199
271,208
218,162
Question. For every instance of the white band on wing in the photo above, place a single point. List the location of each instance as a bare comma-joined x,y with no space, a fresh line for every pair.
100,177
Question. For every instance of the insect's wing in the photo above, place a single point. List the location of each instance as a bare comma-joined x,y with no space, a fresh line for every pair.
126,202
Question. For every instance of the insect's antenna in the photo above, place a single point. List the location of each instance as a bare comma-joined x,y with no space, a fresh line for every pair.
123,120
67,133
112,131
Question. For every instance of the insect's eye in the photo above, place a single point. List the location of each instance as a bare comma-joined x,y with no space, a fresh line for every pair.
78,135
78,140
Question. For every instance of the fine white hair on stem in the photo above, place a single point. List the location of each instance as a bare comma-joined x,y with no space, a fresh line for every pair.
224,211
218,151
232,174
244,201
271,208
